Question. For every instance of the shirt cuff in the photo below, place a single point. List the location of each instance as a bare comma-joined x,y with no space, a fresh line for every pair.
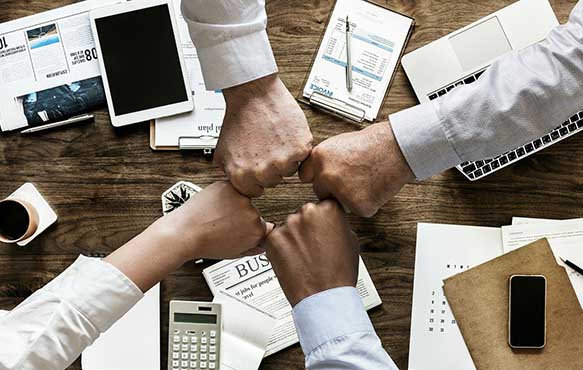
97,289
237,61
423,140
328,315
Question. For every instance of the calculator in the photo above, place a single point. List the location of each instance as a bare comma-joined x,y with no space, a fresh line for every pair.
194,332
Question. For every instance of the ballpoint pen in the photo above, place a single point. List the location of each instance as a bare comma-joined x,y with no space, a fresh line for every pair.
578,269
67,122
348,56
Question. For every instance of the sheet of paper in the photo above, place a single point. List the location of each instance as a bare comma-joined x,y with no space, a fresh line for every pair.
565,238
529,220
443,251
132,343
245,333
49,57
206,119
252,280
379,36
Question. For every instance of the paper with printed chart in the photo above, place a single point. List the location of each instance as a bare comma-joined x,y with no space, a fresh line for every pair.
565,239
378,38
252,280
443,251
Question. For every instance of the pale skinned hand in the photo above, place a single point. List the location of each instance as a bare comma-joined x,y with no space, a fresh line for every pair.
264,137
217,223
314,251
363,170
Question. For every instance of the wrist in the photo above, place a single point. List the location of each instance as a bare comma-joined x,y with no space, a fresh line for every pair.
399,162
183,243
260,88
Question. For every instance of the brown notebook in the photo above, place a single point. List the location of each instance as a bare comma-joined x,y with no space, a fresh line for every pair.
479,301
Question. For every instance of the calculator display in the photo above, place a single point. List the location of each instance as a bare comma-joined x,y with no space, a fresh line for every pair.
193,318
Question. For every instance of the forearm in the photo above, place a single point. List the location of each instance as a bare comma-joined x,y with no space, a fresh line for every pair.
518,99
336,333
231,40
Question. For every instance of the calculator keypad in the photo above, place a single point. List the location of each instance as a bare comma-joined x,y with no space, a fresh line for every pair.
194,351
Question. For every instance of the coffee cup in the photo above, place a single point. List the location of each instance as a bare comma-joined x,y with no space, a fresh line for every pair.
18,220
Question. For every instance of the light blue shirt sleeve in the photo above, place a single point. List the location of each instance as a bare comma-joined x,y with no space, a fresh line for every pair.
336,333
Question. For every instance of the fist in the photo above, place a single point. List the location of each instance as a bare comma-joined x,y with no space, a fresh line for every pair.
217,223
264,136
314,251
362,170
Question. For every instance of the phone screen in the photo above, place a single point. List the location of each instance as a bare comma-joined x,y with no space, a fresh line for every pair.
527,311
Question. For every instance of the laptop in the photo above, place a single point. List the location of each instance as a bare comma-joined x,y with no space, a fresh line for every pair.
462,56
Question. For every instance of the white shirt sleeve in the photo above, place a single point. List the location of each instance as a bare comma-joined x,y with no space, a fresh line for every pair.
51,328
336,334
230,39
521,97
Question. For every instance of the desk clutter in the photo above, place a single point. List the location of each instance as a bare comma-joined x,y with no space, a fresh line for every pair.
460,317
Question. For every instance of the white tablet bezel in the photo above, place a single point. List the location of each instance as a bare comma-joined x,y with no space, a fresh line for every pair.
153,113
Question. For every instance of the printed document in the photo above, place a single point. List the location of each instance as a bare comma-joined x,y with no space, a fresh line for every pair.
205,121
379,36
252,280
246,332
565,239
443,251
48,66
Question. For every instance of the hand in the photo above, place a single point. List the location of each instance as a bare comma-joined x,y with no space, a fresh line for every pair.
314,251
264,135
217,223
362,170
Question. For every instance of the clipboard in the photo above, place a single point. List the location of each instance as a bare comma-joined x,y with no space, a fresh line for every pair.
205,143
338,107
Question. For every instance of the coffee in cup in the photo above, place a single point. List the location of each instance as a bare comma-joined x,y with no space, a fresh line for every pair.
18,220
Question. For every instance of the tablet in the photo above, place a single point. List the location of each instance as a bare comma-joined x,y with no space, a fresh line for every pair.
142,66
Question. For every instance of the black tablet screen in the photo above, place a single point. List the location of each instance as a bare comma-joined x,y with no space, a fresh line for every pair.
141,59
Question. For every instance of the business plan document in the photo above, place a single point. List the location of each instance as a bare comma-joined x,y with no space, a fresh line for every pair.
378,38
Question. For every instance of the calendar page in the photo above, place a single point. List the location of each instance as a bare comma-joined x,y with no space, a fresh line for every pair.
443,251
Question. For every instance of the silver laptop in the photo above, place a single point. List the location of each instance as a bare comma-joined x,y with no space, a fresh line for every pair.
462,56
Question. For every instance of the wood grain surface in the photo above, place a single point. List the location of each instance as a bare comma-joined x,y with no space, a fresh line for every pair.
105,183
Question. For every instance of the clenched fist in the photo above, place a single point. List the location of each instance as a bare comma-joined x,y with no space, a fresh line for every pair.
265,135
314,251
362,170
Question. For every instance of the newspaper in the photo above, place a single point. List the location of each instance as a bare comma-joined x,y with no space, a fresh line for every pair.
252,280
48,66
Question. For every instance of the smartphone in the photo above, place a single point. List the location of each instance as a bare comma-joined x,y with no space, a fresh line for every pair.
527,311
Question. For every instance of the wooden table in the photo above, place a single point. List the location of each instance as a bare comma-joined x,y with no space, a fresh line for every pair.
105,183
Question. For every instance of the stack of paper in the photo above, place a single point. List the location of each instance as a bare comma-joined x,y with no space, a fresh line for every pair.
245,334
445,250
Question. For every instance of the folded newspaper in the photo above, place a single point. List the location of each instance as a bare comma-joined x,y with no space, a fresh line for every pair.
48,67
252,280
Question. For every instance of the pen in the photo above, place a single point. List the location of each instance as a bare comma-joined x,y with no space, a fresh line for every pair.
70,121
348,56
573,266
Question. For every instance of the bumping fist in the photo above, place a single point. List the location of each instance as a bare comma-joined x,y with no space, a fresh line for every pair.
226,224
362,169
314,251
264,135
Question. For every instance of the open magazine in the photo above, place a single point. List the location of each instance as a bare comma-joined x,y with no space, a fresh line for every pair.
252,280
48,67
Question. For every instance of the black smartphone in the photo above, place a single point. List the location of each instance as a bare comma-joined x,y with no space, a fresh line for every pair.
527,311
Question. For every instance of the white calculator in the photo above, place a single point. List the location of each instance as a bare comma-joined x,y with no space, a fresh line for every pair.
194,335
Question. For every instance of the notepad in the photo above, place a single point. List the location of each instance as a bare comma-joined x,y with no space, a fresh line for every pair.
379,36
132,343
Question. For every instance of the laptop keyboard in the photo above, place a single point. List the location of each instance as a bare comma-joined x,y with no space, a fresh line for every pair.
479,169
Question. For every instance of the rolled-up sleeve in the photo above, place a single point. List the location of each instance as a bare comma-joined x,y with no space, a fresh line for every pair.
335,333
231,39
521,97
51,328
